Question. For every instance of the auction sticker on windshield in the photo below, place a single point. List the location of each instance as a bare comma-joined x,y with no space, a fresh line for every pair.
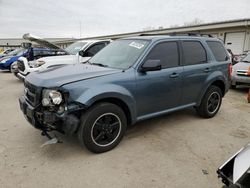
136,45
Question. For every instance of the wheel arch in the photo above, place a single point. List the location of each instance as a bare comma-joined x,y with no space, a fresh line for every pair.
119,103
117,95
217,81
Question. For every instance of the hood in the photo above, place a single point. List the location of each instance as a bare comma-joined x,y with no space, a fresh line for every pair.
5,57
241,66
40,41
56,77
58,58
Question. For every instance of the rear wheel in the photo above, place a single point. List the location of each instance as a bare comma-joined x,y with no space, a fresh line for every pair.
102,127
210,103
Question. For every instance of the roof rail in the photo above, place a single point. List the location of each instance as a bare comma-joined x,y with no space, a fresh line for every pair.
191,34
178,34
152,34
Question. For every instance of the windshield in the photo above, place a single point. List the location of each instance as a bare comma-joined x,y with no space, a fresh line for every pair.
17,52
120,54
74,48
246,59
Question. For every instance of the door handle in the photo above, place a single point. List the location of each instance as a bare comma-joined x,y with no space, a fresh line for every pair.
174,75
207,70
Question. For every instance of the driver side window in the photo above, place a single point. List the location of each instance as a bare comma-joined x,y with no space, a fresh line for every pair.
166,52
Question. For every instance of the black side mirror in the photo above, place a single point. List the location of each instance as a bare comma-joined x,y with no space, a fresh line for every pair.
83,53
151,65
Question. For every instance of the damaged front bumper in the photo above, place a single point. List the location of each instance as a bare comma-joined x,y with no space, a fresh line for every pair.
236,171
66,122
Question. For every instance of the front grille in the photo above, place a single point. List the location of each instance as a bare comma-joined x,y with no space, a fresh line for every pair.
243,73
20,65
32,94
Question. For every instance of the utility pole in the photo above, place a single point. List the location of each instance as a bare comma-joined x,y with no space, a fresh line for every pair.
80,29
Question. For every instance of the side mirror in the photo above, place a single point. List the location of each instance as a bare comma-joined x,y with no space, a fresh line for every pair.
151,65
83,53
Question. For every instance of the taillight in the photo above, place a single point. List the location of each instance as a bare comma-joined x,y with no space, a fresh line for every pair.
248,72
230,70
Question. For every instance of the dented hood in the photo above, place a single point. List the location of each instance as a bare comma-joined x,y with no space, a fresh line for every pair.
56,77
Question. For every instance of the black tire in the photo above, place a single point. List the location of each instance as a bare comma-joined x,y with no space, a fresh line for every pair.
210,103
94,122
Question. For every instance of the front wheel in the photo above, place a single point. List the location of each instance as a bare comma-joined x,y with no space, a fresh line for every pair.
102,127
210,103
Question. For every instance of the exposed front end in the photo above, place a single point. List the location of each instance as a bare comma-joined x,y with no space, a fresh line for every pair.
49,110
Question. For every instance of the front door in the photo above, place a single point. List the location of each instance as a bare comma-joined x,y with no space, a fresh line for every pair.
160,90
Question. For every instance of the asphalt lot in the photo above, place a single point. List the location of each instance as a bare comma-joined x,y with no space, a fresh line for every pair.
177,150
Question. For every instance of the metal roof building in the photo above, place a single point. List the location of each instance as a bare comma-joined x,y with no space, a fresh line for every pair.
234,33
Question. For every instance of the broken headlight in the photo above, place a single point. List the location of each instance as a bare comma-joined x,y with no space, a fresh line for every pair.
51,97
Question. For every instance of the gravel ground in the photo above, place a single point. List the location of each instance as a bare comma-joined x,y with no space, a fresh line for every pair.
177,150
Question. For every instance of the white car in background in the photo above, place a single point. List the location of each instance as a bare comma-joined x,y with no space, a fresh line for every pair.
79,52
241,73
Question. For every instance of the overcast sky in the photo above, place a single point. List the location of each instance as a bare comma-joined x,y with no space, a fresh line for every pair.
62,18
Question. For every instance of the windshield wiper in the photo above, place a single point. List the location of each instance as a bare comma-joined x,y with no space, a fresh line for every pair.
99,64
246,61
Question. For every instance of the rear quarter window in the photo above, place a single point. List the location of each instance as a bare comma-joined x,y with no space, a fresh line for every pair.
218,50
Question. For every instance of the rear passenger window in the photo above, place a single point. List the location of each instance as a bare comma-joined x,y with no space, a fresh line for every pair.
167,53
218,50
194,53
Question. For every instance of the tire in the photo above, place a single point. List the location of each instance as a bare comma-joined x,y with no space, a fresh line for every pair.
102,127
210,103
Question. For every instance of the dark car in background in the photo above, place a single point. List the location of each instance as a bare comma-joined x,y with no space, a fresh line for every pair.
6,61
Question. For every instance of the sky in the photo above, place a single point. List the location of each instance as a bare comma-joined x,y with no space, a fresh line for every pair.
86,18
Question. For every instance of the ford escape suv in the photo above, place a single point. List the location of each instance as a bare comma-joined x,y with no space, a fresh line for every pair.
130,80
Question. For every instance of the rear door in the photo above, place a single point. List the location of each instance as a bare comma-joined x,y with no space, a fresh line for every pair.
160,90
196,70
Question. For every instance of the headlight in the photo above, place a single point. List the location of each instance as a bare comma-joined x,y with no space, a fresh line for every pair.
51,97
4,60
39,63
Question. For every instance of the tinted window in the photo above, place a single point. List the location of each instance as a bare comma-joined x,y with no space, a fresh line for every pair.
167,52
94,49
218,50
194,53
